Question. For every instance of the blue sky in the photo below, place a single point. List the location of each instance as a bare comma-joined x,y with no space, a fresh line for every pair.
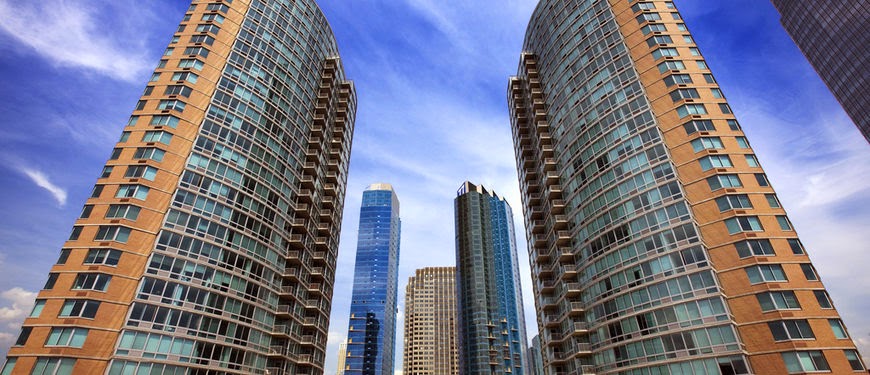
431,78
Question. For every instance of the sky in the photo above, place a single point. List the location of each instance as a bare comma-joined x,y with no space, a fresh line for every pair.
431,77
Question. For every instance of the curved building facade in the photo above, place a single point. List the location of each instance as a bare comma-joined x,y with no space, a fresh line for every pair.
209,242
656,242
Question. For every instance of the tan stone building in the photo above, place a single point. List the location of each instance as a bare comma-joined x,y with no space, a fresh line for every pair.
658,245
430,323
209,242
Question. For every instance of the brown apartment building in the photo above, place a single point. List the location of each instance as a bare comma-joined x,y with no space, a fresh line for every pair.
430,323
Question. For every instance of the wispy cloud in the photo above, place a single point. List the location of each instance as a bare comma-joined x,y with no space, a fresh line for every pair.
70,33
17,303
41,180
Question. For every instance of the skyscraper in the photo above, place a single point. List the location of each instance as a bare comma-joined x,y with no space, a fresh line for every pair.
209,242
656,240
342,356
832,34
430,323
491,328
371,333
536,361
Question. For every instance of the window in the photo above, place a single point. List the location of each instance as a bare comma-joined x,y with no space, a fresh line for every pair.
702,65
743,224
170,105
53,366
92,281
23,336
733,125
178,90
109,257
720,181
642,6
132,191
669,5
9,366
98,189
732,202
154,77
761,179
854,360
165,120
157,136
140,105
112,233
823,299
765,273
152,153
107,171
191,8
706,143
784,224
213,17
52,279
204,39
691,109
148,90
785,300
798,329
217,7
805,361
653,27
838,328
659,39
168,51
677,79
665,52
699,126
671,65
143,171
86,211
715,161
191,63
741,141
37,308
675,16
796,247
79,308
725,108
185,76
747,248
772,201
646,17
809,272
752,161
717,93
76,232
67,336
681,94
694,51
208,28
64,255
116,153
122,211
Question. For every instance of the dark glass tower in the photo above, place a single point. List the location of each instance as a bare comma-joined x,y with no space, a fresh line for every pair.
209,243
492,331
371,332
833,36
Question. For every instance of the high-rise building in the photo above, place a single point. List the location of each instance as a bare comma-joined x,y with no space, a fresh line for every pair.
371,332
536,361
209,242
430,323
491,327
342,357
832,34
656,242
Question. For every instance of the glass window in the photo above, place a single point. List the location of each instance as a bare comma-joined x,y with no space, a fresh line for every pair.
784,224
154,77
676,16
747,248
851,356
204,39
157,136
124,137
664,52
796,247
653,27
109,257
809,272
81,308
92,281
9,366
823,299
152,153
720,181
772,201
208,28
213,17
838,328
52,279
671,65
67,336
141,171
765,273
115,233
23,336
751,161
178,90
37,308
785,300
132,191
797,329
805,361
53,366
694,51
86,211
659,39
168,51
731,202
642,6
682,27
733,124
709,78
761,179
148,90
166,120
185,76
724,108
715,161
64,255
680,94
122,211
717,93
707,143
107,171
191,63
741,141
743,224
98,189
646,17
76,232
677,79
691,109
223,8
699,125
116,153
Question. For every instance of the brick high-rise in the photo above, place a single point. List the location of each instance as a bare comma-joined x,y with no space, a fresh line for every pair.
430,323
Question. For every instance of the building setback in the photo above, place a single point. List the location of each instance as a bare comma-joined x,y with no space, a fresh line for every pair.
657,244
491,327
832,34
371,332
430,323
209,242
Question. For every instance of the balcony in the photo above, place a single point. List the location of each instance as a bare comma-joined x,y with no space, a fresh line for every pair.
281,330
283,311
563,238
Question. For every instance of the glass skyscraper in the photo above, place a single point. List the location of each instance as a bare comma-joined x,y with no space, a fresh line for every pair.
492,331
371,333
208,245
657,243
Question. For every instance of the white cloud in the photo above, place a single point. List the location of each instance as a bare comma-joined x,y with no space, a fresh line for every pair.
11,316
70,33
41,180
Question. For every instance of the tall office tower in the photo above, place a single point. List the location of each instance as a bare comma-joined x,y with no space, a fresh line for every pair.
342,357
209,242
656,240
430,323
371,332
536,361
492,331
833,36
